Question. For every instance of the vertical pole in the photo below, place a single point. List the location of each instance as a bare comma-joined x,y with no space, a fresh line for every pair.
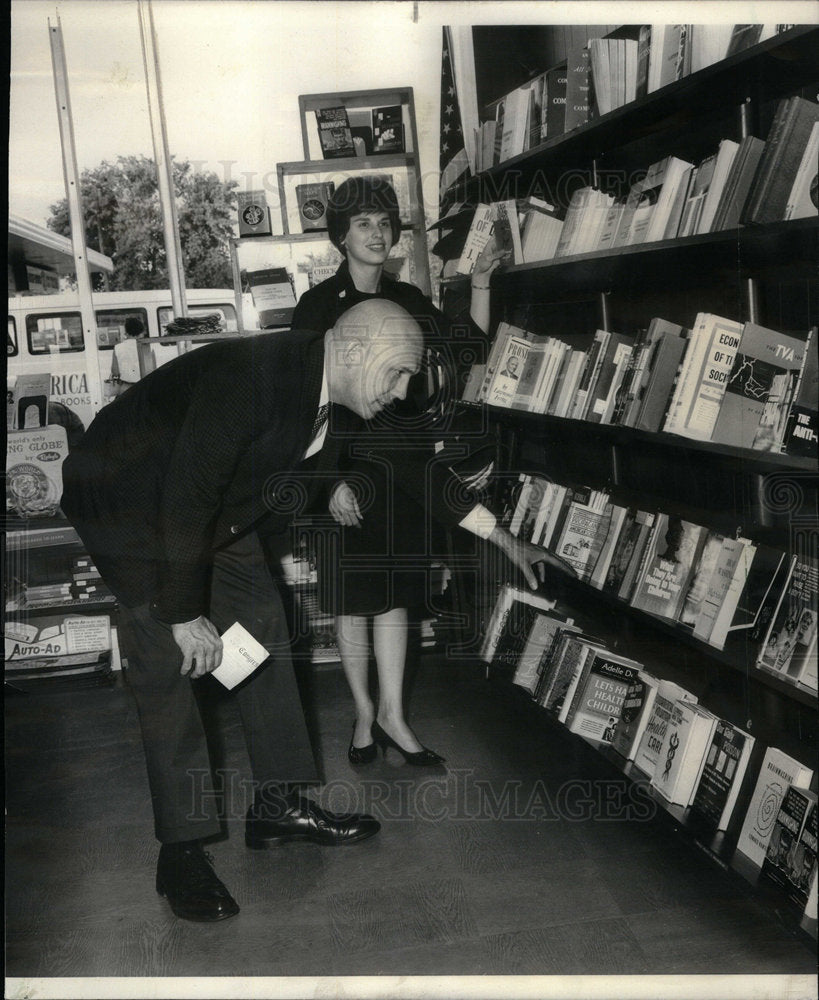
75,212
745,127
164,164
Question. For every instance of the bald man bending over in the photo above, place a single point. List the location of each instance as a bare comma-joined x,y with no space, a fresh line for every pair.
168,490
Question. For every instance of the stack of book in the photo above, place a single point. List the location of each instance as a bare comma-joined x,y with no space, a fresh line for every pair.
736,384
727,592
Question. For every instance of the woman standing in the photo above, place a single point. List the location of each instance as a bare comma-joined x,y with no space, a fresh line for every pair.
364,224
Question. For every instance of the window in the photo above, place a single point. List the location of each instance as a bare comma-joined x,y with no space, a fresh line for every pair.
111,325
54,333
11,339
227,316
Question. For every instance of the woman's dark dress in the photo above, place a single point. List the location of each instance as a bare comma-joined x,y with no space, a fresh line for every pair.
383,564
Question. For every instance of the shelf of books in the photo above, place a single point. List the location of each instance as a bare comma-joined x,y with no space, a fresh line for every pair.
562,122
676,733
746,251
654,378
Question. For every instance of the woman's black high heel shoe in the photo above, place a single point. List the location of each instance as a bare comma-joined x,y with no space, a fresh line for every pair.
361,755
421,758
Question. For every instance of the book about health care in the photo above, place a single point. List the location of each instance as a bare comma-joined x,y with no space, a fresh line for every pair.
600,694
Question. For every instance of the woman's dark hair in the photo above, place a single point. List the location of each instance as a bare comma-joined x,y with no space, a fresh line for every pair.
357,195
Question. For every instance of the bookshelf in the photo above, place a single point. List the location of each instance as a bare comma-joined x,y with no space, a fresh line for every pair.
308,255
762,273
788,249
763,73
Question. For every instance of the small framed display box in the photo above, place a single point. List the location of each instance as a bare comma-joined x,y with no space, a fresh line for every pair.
360,123
305,187
271,273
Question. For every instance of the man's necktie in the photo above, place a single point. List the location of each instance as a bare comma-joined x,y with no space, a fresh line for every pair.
320,421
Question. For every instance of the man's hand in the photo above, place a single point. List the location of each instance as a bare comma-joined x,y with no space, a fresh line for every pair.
344,506
526,557
200,644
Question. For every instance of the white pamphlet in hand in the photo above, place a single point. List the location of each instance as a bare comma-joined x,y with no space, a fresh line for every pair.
241,654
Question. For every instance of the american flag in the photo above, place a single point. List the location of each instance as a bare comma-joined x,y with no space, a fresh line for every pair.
453,160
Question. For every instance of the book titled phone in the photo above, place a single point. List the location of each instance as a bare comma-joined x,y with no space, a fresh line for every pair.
241,655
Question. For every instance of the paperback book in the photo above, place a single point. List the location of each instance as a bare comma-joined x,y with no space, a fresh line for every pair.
536,649
635,712
335,136
681,758
785,855
599,695
671,558
312,200
726,764
764,360
790,642
778,772
651,744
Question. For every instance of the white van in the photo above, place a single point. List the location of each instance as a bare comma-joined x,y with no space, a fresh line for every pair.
45,335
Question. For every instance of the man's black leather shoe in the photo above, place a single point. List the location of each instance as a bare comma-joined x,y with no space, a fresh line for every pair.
304,820
184,874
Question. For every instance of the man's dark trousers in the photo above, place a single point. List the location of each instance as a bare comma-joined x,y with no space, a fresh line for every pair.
173,735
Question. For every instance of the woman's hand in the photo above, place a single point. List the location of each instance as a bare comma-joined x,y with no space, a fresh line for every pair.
344,506
200,644
490,257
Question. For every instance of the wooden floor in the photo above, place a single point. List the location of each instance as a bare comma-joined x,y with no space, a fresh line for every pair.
526,857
